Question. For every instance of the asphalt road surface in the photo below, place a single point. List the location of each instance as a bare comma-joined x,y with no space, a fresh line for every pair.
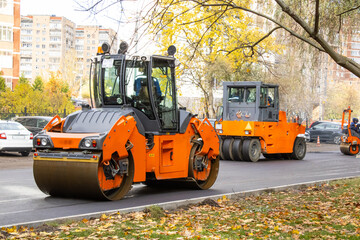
22,202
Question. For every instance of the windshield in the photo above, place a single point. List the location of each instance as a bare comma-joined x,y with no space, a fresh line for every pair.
112,83
164,92
11,126
137,87
242,94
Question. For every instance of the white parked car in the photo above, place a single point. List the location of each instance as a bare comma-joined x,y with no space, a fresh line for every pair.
14,137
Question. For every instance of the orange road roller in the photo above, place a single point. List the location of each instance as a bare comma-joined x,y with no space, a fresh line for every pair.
250,123
351,139
132,132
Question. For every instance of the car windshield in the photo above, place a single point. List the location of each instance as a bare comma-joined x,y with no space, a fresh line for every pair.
11,126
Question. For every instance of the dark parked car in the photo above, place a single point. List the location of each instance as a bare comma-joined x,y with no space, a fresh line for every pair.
33,123
327,131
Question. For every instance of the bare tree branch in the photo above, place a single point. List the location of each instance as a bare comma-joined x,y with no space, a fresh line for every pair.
87,9
317,16
340,15
233,6
252,45
343,61
349,10
212,24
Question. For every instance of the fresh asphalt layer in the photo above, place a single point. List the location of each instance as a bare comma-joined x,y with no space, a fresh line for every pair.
21,203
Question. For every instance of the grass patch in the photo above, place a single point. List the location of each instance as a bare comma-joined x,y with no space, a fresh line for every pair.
326,211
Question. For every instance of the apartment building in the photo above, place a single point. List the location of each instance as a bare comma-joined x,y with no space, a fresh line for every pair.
351,49
88,39
47,44
10,41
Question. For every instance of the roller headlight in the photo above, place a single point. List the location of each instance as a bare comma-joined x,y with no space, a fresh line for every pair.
92,142
44,141
87,143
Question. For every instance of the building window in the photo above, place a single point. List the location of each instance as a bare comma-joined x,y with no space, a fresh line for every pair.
55,39
3,3
355,53
26,38
26,32
6,59
5,33
26,45
355,45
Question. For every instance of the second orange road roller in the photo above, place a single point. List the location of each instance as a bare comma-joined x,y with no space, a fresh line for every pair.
133,132
350,140
250,124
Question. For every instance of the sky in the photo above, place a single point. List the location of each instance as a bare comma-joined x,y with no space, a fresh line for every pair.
108,18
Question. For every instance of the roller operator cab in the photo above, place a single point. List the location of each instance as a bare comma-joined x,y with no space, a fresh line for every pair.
133,133
250,123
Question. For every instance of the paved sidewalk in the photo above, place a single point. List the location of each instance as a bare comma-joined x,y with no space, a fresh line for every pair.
324,147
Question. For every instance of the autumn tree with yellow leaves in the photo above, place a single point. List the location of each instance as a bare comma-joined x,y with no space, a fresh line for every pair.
54,96
213,44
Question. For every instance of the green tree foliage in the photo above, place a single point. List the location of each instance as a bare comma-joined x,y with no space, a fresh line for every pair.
23,79
38,84
58,91
2,82
55,97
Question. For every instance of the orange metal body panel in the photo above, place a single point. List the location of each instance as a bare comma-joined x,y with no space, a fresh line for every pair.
55,124
170,156
68,140
122,131
275,137
209,136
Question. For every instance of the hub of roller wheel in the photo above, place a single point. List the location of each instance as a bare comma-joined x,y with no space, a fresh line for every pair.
205,176
79,175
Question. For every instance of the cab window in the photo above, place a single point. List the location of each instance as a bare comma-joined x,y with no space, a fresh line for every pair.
163,90
250,95
236,94
137,87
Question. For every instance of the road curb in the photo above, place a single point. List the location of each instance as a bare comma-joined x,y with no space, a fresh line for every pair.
180,203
